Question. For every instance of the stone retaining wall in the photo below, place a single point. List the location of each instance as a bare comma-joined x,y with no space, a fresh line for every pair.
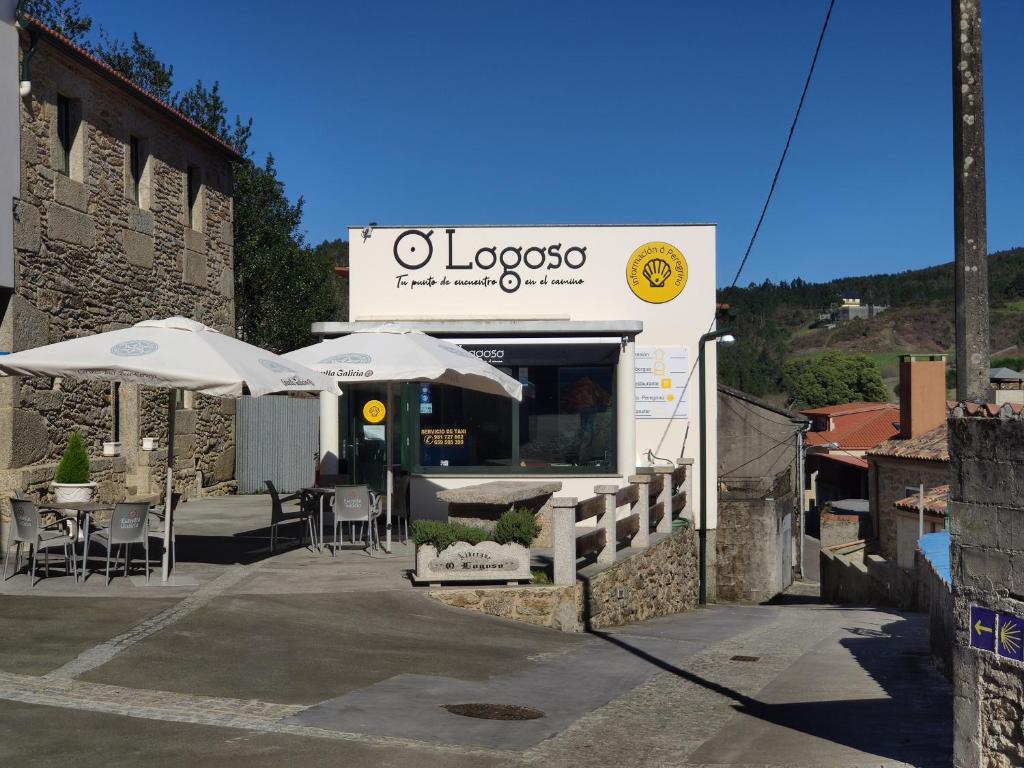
656,581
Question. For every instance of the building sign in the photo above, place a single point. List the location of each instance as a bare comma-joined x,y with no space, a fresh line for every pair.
374,411
656,272
661,382
462,561
999,633
426,404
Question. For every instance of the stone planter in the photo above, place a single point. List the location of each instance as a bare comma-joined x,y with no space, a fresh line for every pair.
150,443
487,561
112,448
73,491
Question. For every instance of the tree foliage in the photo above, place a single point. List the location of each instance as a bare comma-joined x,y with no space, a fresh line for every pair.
139,64
833,378
64,16
74,464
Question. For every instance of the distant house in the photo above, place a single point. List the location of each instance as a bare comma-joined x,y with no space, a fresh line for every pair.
917,456
1007,385
839,437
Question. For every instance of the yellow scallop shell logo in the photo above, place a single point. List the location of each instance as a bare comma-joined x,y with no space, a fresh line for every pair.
374,411
657,272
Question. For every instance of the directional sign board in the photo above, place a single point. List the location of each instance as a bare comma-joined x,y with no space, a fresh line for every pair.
983,628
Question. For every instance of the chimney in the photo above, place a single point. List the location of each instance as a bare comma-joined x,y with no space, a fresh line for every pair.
922,394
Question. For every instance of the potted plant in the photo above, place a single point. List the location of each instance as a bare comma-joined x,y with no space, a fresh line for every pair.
448,552
111,447
71,482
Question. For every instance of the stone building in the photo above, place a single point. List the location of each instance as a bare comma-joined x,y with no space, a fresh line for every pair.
987,563
122,212
918,456
758,542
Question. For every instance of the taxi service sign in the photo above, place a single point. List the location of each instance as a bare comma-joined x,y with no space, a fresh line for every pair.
374,411
999,633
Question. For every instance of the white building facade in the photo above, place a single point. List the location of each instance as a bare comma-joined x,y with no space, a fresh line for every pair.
599,323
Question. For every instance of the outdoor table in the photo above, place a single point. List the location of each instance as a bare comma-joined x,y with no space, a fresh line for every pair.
323,493
83,510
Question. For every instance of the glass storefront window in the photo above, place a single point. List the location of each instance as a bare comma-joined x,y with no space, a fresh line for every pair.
565,423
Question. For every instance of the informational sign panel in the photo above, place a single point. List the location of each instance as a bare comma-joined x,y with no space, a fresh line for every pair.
999,633
661,382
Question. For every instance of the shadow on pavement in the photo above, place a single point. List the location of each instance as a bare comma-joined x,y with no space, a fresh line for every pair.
241,548
898,727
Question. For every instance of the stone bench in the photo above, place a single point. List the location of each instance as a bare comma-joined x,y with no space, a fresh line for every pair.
482,504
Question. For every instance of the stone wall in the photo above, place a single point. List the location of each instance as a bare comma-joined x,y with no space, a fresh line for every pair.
656,581
842,529
89,259
987,560
750,547
889,478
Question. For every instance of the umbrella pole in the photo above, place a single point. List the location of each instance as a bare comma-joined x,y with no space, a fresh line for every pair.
172,405
389,437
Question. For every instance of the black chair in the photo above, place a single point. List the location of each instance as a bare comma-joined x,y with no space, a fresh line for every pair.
278,515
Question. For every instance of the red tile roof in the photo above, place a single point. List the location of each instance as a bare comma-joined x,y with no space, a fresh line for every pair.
858,430
985,410
935,501
56,37
931,446
846,408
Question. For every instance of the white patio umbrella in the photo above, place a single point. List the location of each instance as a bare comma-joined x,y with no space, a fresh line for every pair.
394,353
176,353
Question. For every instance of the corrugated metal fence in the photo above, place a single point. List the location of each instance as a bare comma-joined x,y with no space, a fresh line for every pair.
276,437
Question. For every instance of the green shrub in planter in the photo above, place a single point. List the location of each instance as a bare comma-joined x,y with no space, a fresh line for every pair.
443,534
74,465
517,526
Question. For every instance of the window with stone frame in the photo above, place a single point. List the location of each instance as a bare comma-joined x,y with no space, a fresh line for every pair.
137,178
68,151
194,197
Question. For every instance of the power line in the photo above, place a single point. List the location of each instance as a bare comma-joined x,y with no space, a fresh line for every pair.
789,139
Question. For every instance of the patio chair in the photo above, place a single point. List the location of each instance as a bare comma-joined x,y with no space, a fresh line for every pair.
278,515
27,528
129,524
157,531
353,504
374,474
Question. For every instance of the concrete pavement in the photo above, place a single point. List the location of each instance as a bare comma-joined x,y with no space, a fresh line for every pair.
316,660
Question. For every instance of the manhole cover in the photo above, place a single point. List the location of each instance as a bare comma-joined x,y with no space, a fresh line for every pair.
494,711
746,658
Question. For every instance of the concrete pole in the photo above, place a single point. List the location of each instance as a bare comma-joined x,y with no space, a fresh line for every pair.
328,434
625,418
969,224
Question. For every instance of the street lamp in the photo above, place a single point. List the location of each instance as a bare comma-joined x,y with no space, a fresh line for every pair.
725,338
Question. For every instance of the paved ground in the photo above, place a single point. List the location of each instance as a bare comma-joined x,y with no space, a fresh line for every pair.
302,658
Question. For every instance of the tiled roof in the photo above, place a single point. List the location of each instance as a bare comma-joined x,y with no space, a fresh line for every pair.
56,37
985,410
846,408
934,501
931,446
853,461
860,430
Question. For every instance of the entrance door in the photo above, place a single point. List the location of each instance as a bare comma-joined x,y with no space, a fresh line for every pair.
366,434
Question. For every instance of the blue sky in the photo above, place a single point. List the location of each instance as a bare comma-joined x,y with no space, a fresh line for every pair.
538,111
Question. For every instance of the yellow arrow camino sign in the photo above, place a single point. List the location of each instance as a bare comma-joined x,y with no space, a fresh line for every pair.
983,628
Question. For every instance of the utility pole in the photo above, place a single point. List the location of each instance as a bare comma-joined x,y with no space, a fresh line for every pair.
971,263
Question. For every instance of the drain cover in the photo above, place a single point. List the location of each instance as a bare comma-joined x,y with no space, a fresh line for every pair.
494,711
746,658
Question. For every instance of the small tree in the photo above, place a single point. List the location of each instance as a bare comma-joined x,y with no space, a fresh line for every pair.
834,378
74,465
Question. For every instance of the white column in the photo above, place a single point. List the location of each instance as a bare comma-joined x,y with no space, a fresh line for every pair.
625,423
329,433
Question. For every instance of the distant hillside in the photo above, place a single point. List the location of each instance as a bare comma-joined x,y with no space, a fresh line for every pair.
773,320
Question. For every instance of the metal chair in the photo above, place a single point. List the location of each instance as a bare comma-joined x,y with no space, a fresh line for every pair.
304,514
374,474
352,504
27,528
129,524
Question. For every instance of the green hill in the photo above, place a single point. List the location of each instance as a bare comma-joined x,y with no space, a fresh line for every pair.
775,321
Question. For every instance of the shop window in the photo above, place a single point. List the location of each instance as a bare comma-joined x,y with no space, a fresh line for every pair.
565,423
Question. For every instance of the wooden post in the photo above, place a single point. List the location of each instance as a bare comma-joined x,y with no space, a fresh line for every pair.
607,521
563,528
642,508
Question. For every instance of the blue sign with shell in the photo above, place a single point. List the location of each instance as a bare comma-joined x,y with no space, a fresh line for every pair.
996,632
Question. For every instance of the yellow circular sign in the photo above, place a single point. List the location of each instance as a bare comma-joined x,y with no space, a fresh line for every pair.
374,411
657,272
